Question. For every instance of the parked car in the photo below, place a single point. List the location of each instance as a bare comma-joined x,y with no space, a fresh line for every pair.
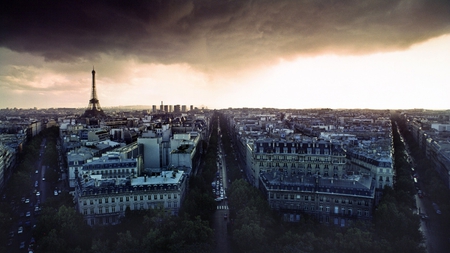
436,208
20,230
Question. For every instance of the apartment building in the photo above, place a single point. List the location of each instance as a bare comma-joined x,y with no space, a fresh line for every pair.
110,185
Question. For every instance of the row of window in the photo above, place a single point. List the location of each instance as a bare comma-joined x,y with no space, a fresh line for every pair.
130,198
135,206
313,198
326,209
113,172
111,165
300,166
300,158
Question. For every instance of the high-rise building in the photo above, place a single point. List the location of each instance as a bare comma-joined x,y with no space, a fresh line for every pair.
176,109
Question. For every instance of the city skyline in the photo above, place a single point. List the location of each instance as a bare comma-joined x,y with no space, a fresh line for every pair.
281,54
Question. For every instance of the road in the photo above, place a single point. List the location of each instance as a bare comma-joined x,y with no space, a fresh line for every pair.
221,216
27,216
435,241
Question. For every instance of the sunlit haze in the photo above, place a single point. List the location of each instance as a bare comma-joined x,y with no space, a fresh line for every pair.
207,61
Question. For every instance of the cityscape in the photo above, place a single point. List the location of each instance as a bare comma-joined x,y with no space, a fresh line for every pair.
238,126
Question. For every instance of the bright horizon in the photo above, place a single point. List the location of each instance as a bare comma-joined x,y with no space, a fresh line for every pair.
349,65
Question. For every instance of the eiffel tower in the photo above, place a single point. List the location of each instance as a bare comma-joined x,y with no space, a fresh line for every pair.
94,110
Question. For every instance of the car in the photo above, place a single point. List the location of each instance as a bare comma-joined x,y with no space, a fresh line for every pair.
420,193
27,201
436,208
10,242
43,179
37,171
38,193
36,208
22,245
28,214
11,234
218,199
20,230
55,192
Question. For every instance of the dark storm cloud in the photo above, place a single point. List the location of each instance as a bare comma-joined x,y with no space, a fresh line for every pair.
210,34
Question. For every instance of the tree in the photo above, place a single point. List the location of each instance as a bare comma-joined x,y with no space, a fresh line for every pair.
127,244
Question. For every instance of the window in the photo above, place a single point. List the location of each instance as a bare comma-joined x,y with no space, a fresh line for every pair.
84,202
141,197
106,200
336,209
127,198
85,212
121,199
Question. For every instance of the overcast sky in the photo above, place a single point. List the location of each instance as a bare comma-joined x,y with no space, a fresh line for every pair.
285,54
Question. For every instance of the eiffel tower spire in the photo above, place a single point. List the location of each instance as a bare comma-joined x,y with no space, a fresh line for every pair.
94,109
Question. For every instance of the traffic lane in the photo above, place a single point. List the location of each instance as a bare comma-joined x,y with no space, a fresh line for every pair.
220,231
